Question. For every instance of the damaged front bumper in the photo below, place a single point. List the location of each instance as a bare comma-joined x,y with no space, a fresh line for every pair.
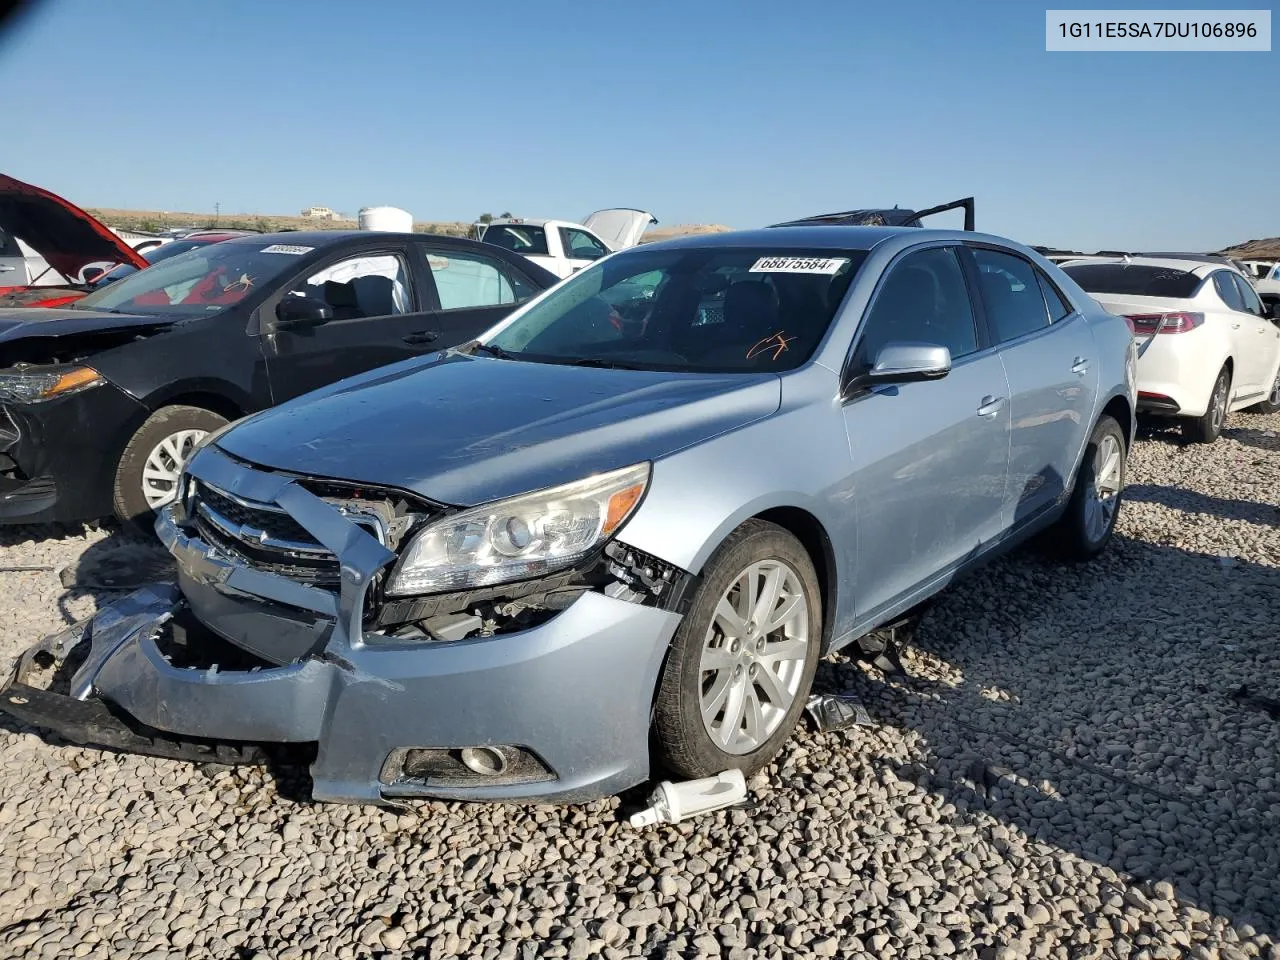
558,712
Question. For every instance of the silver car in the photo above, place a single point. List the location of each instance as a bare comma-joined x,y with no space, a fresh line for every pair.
616,534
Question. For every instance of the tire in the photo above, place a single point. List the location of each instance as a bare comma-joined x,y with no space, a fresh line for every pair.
683,742
181,425
1085,528
1207,428
1272,403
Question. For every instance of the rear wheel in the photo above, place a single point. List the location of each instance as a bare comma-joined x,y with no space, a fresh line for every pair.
1272,403
743,659
147,477
1090,517
1207,428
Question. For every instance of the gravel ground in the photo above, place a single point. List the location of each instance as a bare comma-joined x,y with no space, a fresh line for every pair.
1061,772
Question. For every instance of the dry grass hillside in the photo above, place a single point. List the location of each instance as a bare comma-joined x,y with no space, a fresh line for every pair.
1256,250
150,221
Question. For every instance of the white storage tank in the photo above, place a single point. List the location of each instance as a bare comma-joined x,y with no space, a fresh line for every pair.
392,219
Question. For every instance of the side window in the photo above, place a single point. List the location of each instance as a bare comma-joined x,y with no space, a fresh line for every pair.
466,279
1011,294
924,299
1249,297
1224,283
1059,309
580,245
366,286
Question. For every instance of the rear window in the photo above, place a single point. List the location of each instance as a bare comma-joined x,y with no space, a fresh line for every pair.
517,237
1134,279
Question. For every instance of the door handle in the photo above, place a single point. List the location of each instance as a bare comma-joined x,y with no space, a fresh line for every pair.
7,268
1235,326
990,407
1079,366
420,337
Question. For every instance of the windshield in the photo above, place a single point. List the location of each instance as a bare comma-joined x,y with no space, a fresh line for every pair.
204,280
696,309
154,255
1137,280
519,237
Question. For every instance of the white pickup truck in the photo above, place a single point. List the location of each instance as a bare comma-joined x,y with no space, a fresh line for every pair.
563,247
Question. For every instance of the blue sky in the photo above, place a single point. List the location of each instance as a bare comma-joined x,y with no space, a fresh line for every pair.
716,111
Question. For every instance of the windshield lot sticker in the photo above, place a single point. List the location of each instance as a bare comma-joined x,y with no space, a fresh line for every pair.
287,248
777,343
827,265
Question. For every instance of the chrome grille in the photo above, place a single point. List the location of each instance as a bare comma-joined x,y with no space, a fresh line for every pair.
265,537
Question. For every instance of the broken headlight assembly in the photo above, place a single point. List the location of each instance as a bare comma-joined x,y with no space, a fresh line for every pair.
33,384
526,536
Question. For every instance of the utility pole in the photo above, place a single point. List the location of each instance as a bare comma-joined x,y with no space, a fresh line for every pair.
217,214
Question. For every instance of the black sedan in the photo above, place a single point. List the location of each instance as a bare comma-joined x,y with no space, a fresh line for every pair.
102,400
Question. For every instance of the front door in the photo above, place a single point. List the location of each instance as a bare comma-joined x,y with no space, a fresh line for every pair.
929,459
581,249
1052,366
377,307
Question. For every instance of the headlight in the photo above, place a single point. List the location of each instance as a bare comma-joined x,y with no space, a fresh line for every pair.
526,536
30,386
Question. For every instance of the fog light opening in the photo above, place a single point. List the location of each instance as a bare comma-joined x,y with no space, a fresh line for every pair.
485,761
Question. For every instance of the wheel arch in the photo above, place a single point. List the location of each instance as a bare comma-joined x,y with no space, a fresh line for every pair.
216,396
813,536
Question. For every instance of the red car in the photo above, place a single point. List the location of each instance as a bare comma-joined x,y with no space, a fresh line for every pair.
70,241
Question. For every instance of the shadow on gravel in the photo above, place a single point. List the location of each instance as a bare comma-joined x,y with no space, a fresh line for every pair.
1189,501
1100,711
1251,437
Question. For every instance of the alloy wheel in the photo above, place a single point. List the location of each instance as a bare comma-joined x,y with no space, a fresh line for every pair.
163,467
1219,413
753,656
1108,471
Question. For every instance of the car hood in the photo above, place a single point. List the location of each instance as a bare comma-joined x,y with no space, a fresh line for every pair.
15,324
620,227
464,430
67,237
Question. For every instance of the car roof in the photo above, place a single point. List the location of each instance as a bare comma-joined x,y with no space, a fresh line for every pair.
1198,267
821,237
329,238
522,222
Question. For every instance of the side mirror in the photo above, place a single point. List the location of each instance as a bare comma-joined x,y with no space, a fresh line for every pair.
91,274
302,312
909,363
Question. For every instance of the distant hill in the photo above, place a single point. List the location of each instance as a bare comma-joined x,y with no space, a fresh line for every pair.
151,221
1256,250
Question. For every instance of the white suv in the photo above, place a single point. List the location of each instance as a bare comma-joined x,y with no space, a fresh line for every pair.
1206,344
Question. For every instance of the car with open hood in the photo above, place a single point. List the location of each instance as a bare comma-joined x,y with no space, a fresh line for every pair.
101,399
60,242
563,247
615,533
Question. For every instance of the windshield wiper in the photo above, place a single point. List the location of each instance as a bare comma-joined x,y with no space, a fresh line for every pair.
601,362
475,346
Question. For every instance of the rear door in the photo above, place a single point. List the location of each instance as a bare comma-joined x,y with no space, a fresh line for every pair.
470,292
929,459
1243,330
1050,360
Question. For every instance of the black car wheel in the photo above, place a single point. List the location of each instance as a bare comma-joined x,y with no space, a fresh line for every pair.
1205,429
147,477
743,659
1272,403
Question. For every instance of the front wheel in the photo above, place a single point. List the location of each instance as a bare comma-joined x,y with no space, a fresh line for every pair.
1272,403
742,661
1090,518
147,477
